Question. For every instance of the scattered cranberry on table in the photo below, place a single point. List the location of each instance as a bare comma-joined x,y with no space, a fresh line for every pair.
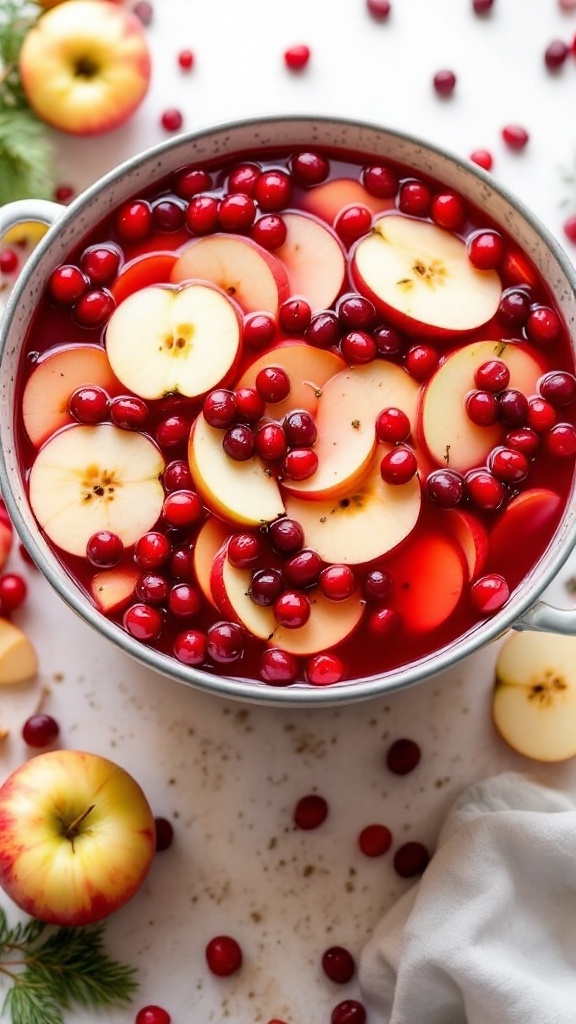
338,964
164,834
403,756
40,731
375,840
350,1011
310,811
223,955
411,859
153,1015
297,57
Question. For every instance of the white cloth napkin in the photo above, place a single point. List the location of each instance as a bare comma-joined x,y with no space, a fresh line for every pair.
488,934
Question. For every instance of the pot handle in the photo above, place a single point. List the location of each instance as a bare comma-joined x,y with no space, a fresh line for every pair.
41,211
546,618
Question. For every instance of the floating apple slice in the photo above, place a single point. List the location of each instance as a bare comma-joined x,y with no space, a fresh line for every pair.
18,659
314,259
472,537
253,277
241,492
420,277
529,516
55,377
141,273
346,423
429,577
329,199
162,340
534,700
308,369
330,623
231,592
87,479
364,524
112,589
211,536
444,427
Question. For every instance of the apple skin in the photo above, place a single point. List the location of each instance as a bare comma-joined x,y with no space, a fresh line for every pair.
85,66
44,872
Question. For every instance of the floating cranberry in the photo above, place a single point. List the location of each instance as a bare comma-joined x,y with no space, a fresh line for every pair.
172,120
143,622
310,811
515,136
380,181
172,431
40,730
484,489
444,82
356,312
244,550
296,57
303,568
482,408
190,647
66,284
513,407
153,1015
541,415
300,463
338,964
273,190
277,667
398,466
414,198
352,223
403,756
181,563
94,308
191,183
128,412
489,593
421,361
561,440
177,476
542,325
411,859
270,231
266,586
514,308
485,249
152,550
358,348
202,214
259,330
448,211
13,592
100,263
384,623
237,212
250,406
182,508
223,955
243,178
377,585
273,384
323,330
309,168
219,408
508,465
389,342
89,405
300,428
379,9
103,549
134,221
151,588
286,535
168,215
238,442
522,439
375,840
294,316
350,1011
493,375
186,60
184,601
337,582
164,834
225,642
482,158
392,425
292,609
270,441
324,669
558,387
445,487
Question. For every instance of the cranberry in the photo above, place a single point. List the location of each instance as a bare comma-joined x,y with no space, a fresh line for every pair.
152,1015
414,198
152,550
40,730
484,489
299,428
485,249
164,834
184,601
561,440
377,585
380,181
104,549
177,476
182,508
273,190
384,623
515,136
482,408
151,588
270,231
266,586
144,11
292,609
225,642
444,82
508,465
259,330
570,228
66,284
186,60
270,441
388,341
181,563
542,325
273,384
237,212
244,550
309,168
352,223
168,215
349,1011
63,193
403,756
13,592
300,463
482,6
489,593
250,406
514,308
558,387
421,361
89,405
243,178
392,425
324,669
358,348
448,211
338,964
356,312
323,330
541,415
202,214
143,622
129,412
238,442
172,120
100,263
134,221
286,535
277,667
411,859
375,840
223,955
297,57
220,408
398,466
493,375
8,261
172,431
482,158
94,308
513,406
379,9
337,582
445,487
294,316
303,568
555,54
310,811
522,439
190,647
191,183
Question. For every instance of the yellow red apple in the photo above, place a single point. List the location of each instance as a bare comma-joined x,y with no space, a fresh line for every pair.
85,66
77,837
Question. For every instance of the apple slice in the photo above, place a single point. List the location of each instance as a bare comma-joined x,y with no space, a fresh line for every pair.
211,536
346,423
534,699
87,479
472,537
444,428
18,659
55,377
429,576
420,277
330,623
162,340
241,492
330,198
364,524
314,259
254,278
112,589
231,591
308,368
141,273
528,519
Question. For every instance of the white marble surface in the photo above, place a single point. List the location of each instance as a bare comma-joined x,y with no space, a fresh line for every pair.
228,775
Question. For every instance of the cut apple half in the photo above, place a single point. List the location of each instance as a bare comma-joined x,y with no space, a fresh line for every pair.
162,340
530,516
18,658
141,273
368,522
87,479
419,275
314,259
248,273
240,492
112,589
534,699
231,592
429,577
307,367
472,537
330,623
331,197
444,427
54,379
211,536
346,422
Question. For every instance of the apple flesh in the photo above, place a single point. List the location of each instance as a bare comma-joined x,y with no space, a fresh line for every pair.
530,516
314,260
77,837
308,369
85,66
231,591
472,537
18,658
112,589
429,578
534,698
210,538
331,197
141,273
330,623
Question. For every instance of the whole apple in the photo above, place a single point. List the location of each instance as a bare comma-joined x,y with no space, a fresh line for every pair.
85,66
77,837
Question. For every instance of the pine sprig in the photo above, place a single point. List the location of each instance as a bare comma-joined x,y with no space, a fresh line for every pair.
51,969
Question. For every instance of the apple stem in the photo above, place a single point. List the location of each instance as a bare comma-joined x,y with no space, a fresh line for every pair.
71,830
